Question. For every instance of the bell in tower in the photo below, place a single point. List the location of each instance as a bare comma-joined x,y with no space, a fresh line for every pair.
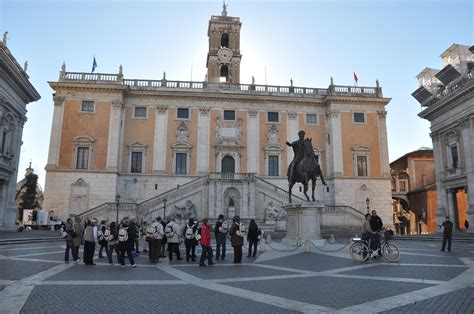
223,58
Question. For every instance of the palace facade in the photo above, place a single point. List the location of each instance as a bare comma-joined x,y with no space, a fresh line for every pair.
211,147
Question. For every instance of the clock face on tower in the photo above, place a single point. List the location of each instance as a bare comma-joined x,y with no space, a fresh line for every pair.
224,54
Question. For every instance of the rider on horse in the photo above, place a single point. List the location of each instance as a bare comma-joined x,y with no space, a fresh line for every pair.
298,150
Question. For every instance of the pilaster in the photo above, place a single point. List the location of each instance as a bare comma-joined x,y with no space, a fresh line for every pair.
56,127
383,143
203,140
159,144
292,133
253,143
334,143
115,130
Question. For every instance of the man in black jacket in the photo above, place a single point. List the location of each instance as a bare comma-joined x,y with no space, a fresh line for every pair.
375,222
447,233
133,235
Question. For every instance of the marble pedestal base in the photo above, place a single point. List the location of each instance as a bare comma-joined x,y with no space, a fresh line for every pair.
303,224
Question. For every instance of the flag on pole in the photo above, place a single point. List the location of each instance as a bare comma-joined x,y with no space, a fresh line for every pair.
356,79
94,65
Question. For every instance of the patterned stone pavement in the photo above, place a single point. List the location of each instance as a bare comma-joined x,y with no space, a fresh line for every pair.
34,279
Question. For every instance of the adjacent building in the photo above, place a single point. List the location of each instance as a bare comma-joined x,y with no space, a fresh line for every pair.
414,192
211,147
447,98
16,92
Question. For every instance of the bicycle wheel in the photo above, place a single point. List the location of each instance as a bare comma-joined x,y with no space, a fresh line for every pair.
359,252
391,252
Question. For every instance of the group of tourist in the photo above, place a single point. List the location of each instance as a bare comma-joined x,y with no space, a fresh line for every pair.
124,239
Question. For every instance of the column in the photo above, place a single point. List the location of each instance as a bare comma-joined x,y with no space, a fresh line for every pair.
451,207
253,143
440,191
115,127
467,126
292,133
159,144
335,162
383,144
203,141
55,138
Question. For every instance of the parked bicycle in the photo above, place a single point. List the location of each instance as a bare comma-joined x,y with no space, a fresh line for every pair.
360,249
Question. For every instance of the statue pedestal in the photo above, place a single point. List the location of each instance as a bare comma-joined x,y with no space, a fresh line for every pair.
303,222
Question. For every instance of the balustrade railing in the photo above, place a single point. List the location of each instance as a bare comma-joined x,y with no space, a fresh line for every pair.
343,209
276,189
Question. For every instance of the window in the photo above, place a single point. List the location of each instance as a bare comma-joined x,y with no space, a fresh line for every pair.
311,118
183,113
228,165
454,156
181,163
225,40
224,73
362,166
272,117
136,166
87,106
403,186
359,117
140,112
82,161
229,115
273,168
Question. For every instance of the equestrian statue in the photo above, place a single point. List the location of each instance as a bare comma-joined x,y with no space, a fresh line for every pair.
304,165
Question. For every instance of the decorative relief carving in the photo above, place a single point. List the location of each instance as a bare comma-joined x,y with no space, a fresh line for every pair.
434,136
332,114
118,104
292,115
273,135
451,136
382,114
182,133
161,109
228,133
204,111
253,113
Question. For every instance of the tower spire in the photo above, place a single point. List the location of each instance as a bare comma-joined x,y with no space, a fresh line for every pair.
224,9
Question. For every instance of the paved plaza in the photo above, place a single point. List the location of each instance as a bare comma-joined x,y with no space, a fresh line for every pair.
34,279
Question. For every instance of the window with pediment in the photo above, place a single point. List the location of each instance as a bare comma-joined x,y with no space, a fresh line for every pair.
83,152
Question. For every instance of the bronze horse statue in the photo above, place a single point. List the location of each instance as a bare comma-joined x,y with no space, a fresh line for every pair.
304,168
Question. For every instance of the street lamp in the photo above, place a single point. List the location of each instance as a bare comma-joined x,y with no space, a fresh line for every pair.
117,202
367,201
164,209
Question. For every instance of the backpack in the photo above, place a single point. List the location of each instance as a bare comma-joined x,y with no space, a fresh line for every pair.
224,228
108,236
100,234
63,233
190,232
242,228
123,235
169,232
150,232
198,233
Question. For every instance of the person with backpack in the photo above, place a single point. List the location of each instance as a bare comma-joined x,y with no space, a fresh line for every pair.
206,244
133,234
252,237
101,238
237,238
220,232
172,235
154,236
189,234
111,236
90,238
125,243
164,240
69,229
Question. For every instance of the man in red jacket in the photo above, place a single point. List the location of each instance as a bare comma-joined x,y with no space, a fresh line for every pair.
206,243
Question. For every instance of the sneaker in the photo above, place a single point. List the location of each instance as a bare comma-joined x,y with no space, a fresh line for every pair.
202,265
111,264
122,266
134,265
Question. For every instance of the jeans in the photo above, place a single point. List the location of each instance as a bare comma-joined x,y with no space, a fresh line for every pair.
89,248
70,247
221,239
125,247
206,252
110,250
190,248
173,247
446,238
102,246
254,244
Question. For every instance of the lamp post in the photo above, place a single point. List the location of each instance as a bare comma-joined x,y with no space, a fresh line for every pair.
117,203
164,209
367,201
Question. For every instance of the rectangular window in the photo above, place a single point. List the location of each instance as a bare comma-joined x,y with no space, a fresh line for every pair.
359,117
87,106
229,115
136,165
183,113
82,158
311,118
362,166
272,116
454,156
140,112
403,186
273,169
181,163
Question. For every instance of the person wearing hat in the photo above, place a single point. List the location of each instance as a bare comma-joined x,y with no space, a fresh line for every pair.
236,239
447,226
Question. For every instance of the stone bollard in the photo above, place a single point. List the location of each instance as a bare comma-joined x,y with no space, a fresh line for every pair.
263,246
307,246
331,239
269,238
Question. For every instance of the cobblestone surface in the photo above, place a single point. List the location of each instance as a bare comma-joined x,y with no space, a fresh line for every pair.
460,301
16,270
311,262
422,272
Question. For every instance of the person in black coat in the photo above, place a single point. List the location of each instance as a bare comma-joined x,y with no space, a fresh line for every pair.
133,234
447,233
375,222
252,238
190,241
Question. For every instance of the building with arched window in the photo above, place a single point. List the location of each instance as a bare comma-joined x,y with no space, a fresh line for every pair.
164,145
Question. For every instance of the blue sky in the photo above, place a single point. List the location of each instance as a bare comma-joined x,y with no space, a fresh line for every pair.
309,41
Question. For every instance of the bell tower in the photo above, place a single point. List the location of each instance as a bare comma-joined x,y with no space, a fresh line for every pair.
223,58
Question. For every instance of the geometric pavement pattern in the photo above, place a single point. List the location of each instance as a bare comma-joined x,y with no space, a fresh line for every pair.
34,279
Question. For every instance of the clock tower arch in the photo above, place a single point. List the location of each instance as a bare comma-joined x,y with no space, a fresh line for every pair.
223,58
